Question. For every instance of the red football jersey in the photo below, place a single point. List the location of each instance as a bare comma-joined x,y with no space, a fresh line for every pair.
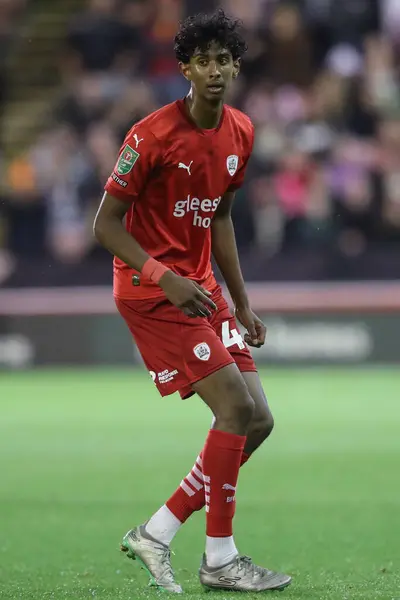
174,175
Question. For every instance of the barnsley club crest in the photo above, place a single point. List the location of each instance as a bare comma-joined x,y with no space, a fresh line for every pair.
232,164
202,351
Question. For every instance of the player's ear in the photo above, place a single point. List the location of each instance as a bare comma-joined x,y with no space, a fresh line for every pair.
236,68
185,70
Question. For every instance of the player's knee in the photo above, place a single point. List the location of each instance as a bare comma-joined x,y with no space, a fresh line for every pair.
227,394
237,406
258,431
262,426
243,410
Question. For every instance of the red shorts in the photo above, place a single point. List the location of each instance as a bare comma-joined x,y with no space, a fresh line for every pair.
179,350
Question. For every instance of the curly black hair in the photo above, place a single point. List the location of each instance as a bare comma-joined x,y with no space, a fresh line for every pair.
199,31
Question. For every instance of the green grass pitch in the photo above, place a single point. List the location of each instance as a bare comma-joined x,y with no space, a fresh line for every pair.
85,455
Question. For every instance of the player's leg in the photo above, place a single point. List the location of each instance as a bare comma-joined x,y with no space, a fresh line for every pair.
213,572
225,392
189,497
222,560
227,329
262,423
227,395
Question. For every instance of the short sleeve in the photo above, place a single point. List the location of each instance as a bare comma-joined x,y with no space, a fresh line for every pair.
238,178
137,159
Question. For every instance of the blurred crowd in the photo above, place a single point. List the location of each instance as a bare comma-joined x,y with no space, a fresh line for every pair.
320,82
10,13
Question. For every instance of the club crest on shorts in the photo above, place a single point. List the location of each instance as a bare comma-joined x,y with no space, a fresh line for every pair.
202,351
153,376
232,164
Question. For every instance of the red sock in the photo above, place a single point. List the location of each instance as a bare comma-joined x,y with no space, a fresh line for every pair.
190,496
221,462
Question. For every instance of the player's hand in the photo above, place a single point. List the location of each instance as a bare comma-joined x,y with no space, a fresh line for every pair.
187,295
256,330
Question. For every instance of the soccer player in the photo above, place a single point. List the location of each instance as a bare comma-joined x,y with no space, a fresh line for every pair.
174,184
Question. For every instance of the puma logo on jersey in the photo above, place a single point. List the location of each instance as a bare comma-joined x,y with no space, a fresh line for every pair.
137,140
187,167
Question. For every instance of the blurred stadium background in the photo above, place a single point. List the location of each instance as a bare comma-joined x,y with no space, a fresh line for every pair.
318,229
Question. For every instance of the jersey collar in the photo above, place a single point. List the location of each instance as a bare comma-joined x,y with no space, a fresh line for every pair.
182,107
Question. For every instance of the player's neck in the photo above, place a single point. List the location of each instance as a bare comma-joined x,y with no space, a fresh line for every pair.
204,114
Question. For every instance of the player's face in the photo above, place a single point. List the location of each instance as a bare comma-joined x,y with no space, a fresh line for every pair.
211,72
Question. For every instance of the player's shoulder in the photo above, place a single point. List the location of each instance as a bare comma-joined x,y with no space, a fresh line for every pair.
159,124
242,120
241,127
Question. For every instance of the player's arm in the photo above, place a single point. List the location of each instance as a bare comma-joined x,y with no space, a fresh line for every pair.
138,158
225,252
110,232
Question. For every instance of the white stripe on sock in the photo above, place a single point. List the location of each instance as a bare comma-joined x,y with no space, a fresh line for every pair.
198,473
187,489
196,484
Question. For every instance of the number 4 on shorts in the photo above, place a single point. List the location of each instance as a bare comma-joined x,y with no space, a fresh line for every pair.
231,337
